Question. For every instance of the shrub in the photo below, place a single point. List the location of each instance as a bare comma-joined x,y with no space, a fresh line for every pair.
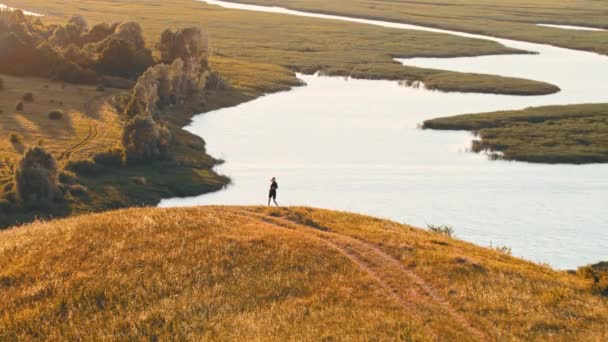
56,114
502,249
36,178
114,157
84,167
28,97
8,187
443,230
78,191
19,106
67,177
100,88
15,138
139,180
598,279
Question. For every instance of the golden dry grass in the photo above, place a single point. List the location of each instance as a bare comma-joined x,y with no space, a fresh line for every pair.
244,273
83,109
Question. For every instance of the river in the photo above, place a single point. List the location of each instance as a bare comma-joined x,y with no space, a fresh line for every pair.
354,145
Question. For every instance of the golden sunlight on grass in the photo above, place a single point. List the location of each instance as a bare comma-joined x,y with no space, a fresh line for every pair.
87,124
244,273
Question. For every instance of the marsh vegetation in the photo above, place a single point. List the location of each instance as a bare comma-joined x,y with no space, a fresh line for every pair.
574,134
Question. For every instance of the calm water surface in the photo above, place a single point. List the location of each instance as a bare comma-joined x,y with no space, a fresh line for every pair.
354,145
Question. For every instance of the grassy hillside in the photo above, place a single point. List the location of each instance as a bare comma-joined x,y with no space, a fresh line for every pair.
245,273
302,44
514,19
552,134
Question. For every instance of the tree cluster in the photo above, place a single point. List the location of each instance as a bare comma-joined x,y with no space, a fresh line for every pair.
72,52
183,71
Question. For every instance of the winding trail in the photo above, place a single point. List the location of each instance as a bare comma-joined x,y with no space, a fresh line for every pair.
90,110
410,291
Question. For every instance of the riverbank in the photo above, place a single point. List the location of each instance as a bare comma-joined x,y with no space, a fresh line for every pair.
574,134
515,19
307,45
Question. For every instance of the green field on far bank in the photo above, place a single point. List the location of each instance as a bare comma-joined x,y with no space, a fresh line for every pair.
575,134
515,19
303,44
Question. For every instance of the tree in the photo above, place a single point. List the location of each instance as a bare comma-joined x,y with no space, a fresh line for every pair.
36,178
188,44
144,139
119,58
98,33
131,32
80,23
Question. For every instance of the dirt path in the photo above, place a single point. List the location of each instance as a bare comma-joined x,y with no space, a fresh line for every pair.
90,111
409,290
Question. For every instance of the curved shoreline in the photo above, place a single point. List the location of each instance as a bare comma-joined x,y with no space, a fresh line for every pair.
377,146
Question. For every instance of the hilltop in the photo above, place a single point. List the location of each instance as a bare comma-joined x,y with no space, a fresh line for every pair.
247,273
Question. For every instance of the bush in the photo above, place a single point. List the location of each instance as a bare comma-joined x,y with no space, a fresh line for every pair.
598,279
56,114
15,138
19,106
139,180
115,157
36,178
84,167
443,230
78,191
28,97
100,88
8,187
67,177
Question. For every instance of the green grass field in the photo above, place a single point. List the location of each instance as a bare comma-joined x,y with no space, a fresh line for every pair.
247,273
302,44
552,134
514,19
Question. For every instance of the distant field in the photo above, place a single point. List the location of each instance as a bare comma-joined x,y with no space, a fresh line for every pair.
243,273
514,19
88,123
552,134
302,44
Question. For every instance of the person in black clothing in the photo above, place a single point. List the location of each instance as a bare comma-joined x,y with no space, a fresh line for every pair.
272,195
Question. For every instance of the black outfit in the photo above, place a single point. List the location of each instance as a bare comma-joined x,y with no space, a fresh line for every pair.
273,190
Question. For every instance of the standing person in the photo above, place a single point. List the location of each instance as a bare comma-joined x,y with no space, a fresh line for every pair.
272,195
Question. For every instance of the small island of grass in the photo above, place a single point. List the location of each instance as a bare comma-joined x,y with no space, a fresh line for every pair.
572,134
